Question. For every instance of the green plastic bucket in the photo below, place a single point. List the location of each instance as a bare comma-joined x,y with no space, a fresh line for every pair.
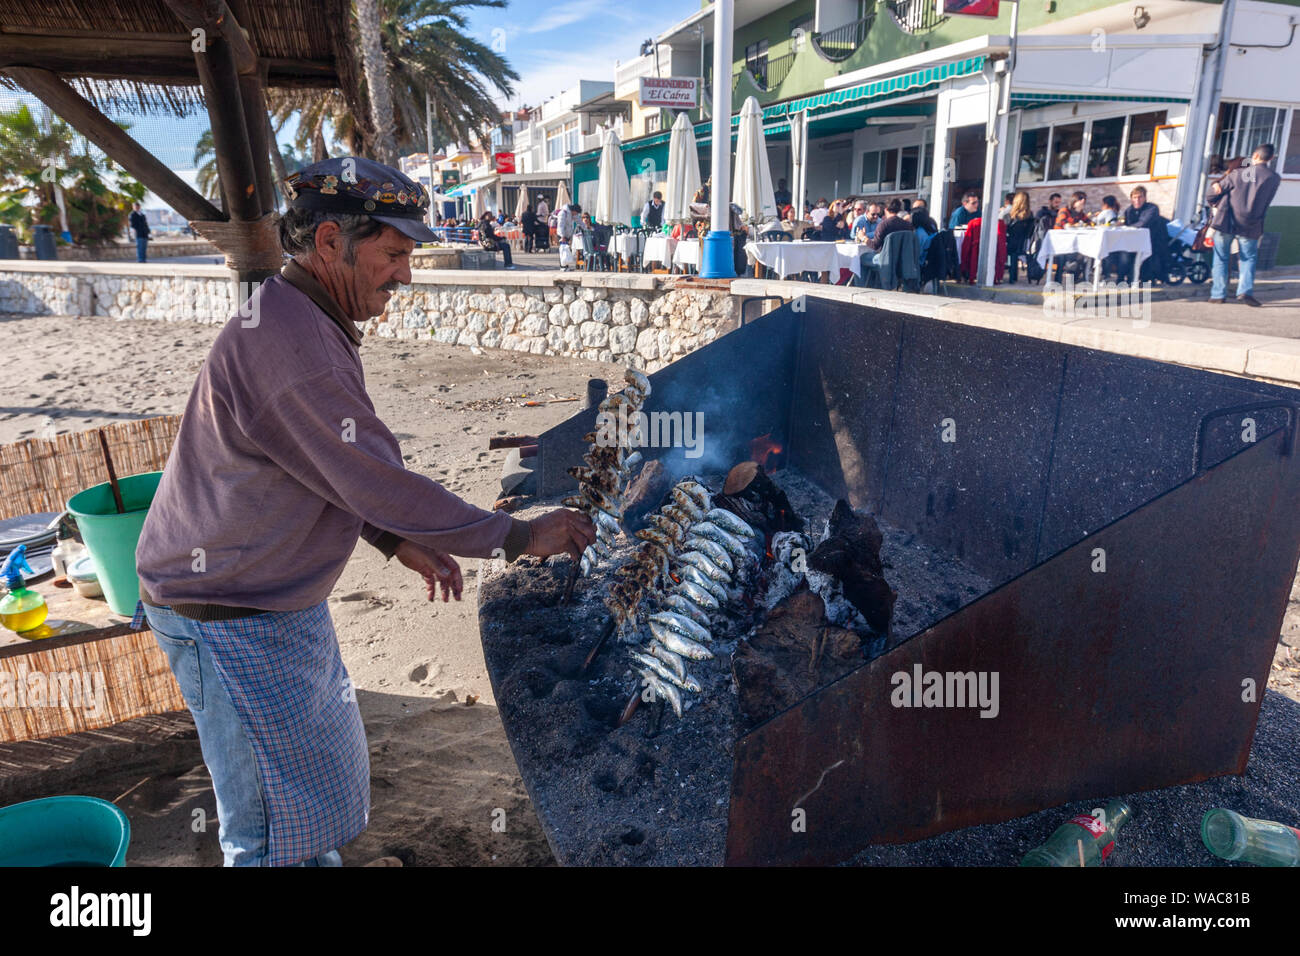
64,831
111,537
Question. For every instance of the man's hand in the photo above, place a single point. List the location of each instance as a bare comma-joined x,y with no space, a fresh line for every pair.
558,532
437,568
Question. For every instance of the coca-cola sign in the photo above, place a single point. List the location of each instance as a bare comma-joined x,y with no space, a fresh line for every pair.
672,92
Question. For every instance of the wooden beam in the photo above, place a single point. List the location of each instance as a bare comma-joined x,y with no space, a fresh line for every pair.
92,49
216,20
255,116
74,109
216,68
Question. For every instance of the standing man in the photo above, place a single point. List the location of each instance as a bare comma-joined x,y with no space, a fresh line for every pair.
1249,190
280,465
140,225
543,243
652,213
781,194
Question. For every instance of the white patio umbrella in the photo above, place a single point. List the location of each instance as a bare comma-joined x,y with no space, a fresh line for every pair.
613,190
562,196
799,159
522,204
752,191
683,171
480,206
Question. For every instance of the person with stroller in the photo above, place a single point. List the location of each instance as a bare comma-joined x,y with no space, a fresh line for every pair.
1248,190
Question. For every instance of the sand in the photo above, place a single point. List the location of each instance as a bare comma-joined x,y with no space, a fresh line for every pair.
444,779
439,768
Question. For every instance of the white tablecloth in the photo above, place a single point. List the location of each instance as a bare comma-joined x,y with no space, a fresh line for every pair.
628,244
659,249
790,258
687,253
1095,244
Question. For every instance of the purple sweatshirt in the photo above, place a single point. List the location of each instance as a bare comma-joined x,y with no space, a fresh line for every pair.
281,463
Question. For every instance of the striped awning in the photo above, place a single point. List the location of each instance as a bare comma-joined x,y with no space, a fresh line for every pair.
775,117
1028,100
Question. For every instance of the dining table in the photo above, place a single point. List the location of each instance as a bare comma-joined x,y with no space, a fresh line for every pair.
795,257
1095,243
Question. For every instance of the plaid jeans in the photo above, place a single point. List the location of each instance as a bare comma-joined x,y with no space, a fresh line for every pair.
280,730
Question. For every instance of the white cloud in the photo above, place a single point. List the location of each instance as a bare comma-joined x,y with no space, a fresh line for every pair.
576,11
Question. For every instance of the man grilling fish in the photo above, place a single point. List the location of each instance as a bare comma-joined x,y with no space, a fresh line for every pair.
280,465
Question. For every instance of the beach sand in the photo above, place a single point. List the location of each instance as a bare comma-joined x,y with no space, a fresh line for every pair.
444,780
445,786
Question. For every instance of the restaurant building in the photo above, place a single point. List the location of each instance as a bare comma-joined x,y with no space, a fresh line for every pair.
901,101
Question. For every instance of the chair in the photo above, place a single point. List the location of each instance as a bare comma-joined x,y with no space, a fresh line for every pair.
940,263
899,265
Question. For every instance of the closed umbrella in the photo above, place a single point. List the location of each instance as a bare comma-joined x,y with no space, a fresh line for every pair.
480,206
683,171
613,190
753,179
522,204
562,196
799,159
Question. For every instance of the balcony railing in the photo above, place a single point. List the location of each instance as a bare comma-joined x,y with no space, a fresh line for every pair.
915,16
841,42
770,74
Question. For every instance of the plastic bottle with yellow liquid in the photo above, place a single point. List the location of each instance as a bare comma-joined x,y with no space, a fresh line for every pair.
20,610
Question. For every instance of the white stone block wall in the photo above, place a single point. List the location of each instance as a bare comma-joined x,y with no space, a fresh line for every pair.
642,328
631,320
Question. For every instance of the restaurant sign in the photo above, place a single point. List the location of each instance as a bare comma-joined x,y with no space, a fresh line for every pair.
984,9
450,179
671,92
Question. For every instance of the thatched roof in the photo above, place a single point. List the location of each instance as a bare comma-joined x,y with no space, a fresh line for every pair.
136,56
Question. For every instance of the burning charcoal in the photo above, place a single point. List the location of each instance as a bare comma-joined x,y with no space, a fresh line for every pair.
851,555
790,655
644,492
759,501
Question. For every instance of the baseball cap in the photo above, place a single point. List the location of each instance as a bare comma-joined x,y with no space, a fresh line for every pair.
362,187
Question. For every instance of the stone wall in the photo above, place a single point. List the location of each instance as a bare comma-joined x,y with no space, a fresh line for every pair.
644,321
582,316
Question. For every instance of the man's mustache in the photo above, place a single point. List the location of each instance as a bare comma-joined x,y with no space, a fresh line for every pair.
390,287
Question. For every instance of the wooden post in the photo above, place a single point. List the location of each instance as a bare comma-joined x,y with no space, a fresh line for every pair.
76,110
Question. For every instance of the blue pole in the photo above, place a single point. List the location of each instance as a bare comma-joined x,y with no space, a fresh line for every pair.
717,261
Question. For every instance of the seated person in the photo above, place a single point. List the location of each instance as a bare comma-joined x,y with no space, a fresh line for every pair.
1072,215
1146,215
892,222
968,210
491,241
1109,211
926,229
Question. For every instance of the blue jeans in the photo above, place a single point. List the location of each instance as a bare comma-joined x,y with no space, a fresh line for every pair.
241,808
141,244
1247,253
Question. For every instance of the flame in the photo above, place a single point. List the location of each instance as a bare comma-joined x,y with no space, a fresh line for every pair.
676,579
762,447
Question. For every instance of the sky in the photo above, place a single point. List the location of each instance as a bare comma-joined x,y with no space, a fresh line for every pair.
551,44
554,43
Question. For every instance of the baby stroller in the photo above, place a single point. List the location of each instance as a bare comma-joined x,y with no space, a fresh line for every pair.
1184,263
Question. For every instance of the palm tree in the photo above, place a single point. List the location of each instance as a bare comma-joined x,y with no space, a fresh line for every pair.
205,161
426,50
381,95
35,158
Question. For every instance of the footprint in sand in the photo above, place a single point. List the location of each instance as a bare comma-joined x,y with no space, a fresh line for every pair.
425,671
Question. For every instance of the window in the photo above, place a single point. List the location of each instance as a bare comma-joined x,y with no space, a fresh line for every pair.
871,172
1033,155
888,170
652,122
756,57
1291,155
1141,133
554,145
572,137
1243,127
908,167
1103,147
1067,151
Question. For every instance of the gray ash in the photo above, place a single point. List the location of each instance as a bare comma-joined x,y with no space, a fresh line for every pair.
655,791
